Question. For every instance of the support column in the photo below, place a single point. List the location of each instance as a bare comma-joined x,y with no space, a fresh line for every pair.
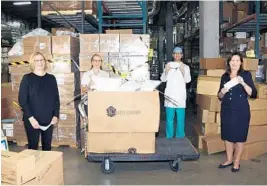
39,19
209,29
169,30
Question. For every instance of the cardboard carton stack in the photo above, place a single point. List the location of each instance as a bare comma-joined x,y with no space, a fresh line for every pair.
65,51
210,111
31,167
122,121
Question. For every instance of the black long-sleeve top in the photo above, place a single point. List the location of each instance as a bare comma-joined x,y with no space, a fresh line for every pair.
39,97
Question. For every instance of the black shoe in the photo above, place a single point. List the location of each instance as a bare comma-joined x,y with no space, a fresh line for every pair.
235,170
221,166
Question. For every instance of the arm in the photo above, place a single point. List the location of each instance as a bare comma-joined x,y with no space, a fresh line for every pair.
187,75
249,86
222,91
24,97
164,75
85,82
57,101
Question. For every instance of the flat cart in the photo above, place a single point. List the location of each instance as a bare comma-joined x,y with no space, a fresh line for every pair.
173,151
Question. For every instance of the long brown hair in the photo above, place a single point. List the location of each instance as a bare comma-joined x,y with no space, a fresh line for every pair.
228,68
101,60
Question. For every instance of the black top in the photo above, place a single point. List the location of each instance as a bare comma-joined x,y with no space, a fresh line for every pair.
39,97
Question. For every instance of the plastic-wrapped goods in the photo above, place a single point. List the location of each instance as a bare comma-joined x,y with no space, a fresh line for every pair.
16,50
106,84
134,43
140,74
37,32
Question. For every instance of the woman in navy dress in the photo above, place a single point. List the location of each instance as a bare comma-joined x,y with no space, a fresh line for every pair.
235,110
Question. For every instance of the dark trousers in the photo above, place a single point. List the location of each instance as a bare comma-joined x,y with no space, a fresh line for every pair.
33,136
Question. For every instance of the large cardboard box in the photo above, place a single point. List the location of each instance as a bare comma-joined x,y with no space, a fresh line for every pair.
258,117
6,90
250,64
212,63
17,168
67,118
67,135
121,142
258,104
207,102
208,85
209,128
109,43
256,134
49,167
213,144
136,43
66,7
65,45
254,150
123,111
65,79
206,116
198,135
218,119
253,74
262,90
214,72
89,43
37,44
19,69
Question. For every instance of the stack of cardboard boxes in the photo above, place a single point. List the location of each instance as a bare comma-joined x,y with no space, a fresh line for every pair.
120,121
7,111
31,167
208,134
62,55
65,50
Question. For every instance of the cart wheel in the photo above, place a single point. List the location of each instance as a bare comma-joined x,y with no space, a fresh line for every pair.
107,166
175,165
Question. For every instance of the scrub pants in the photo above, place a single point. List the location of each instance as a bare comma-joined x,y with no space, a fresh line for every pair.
170,113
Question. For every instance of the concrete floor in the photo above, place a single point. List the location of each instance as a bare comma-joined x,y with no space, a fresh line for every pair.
77,171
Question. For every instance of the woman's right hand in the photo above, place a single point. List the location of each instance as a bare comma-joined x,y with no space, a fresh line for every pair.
224,90
34,123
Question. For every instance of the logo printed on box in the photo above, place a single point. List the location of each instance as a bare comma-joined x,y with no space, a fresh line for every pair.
111,112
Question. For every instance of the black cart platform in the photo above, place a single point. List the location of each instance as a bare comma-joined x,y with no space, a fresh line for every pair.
173,150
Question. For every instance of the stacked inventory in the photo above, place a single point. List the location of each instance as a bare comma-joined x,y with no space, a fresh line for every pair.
209,137
65,51
64,56
120,121
7,114
31,167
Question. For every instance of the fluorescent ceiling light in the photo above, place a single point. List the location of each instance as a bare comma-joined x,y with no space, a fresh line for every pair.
22,3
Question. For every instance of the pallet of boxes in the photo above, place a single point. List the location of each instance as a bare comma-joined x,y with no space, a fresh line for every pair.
7,114
30,167
119,121
62,55
207,130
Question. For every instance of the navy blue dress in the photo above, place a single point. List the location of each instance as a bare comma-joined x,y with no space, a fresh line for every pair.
235,109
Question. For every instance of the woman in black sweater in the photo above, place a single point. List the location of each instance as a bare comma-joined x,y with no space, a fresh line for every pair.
39,99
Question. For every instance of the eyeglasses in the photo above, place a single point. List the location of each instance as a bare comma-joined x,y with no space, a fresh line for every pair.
41,60
96,60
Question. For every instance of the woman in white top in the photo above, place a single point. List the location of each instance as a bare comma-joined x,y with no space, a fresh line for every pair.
96,70
176,74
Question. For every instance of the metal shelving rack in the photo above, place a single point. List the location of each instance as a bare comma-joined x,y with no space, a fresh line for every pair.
122,14
252,23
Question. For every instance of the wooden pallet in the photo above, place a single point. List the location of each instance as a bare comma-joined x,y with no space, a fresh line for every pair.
54,144
66,12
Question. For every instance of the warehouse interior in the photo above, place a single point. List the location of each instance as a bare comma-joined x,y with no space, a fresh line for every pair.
132,36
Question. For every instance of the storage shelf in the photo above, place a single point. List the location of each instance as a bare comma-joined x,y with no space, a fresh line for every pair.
248,24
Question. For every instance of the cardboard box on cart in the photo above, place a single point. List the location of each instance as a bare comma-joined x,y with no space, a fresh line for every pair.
126,117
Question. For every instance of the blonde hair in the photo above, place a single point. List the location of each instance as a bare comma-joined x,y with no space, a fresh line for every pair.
97,55
32,63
